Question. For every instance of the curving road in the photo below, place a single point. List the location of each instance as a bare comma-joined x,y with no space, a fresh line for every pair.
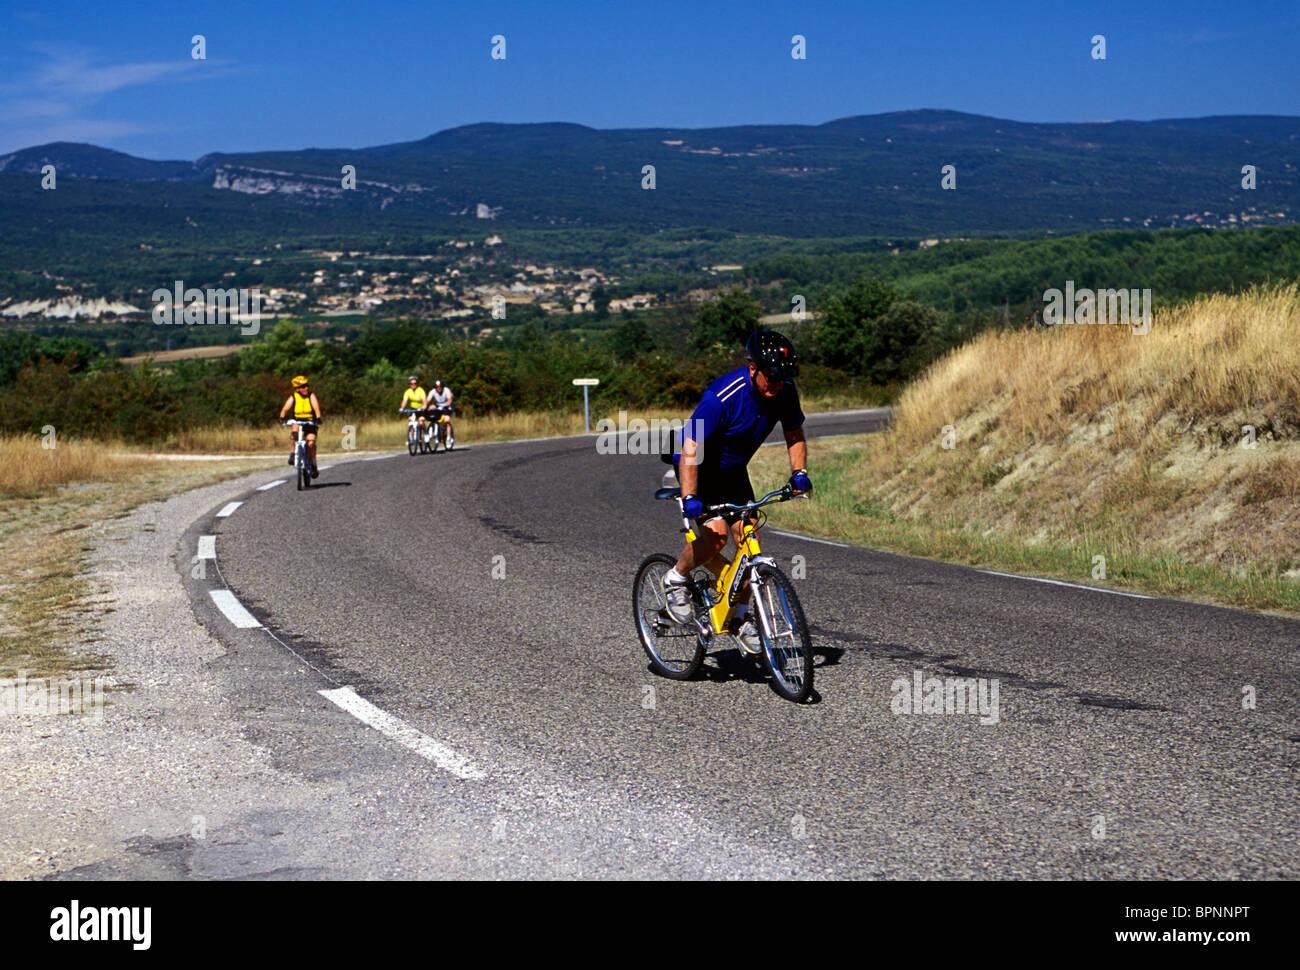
483,598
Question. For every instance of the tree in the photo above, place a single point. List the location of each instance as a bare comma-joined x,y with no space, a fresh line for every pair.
631,339
600,303
283,352
894,343
727,322
842,337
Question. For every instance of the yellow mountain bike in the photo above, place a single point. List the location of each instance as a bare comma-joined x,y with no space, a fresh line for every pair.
676,650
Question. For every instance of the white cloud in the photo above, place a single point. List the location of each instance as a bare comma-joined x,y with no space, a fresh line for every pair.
56,101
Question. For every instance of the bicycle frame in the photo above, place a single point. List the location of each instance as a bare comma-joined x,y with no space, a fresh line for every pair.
301,456
729,575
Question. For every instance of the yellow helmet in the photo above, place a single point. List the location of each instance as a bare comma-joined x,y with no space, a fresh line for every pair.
300,381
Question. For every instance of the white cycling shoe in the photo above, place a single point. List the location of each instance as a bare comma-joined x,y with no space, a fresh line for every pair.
748,638
677,600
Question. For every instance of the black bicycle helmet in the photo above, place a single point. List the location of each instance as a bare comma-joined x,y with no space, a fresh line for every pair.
773,353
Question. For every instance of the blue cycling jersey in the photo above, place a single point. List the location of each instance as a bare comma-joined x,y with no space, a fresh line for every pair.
733,420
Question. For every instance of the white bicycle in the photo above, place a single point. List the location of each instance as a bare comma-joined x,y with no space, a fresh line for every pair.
301,459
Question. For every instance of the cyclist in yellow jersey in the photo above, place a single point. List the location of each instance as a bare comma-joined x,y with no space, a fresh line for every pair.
414,397
305,407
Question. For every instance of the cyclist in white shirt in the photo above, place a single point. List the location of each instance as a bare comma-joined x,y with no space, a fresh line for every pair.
441,397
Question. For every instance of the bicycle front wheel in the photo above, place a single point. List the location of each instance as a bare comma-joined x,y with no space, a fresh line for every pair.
304,475
787,646
412,440
674,649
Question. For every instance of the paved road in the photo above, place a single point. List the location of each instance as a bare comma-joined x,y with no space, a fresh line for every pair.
483,598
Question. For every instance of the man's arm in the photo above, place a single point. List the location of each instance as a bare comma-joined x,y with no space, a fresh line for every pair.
798,447
688,469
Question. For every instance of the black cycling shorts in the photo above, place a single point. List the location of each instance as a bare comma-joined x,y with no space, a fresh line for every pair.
716,486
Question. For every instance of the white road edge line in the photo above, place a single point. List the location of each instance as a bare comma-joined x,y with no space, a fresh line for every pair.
795,535
233,609
228,509
401,732
270,485
207,547
1057,582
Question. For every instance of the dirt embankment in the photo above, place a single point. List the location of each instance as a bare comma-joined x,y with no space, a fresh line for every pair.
1183,441
1167,462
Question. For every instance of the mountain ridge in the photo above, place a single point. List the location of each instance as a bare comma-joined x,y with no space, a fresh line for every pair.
886,174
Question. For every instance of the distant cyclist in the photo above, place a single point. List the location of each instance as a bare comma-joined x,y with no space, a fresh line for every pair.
415,397
441,397
305,407
736,415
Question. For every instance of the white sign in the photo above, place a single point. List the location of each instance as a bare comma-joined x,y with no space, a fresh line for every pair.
585,381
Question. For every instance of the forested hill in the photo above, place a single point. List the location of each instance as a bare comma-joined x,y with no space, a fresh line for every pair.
868,175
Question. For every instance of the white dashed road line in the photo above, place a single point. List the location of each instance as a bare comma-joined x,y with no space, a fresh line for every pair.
1057,582
207,547
271,485
401,732
795,535
228,509
233,609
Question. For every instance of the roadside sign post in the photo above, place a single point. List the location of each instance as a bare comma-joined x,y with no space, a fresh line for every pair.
584,383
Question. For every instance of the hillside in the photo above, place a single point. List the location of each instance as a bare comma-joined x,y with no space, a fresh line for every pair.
867,175
1078,442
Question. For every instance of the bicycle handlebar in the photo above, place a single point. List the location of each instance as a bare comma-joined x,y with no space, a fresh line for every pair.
301,420
782,494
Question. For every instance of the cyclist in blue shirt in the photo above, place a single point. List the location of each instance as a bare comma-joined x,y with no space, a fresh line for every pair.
737,413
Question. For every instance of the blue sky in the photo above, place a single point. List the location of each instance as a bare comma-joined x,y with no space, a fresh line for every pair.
330,73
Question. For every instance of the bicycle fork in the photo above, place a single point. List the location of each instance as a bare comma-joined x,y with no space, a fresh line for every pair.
721,604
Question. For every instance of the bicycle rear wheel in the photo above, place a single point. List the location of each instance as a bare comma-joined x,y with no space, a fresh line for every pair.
674,650
787,652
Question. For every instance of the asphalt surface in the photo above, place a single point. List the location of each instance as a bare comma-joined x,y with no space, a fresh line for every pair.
484,598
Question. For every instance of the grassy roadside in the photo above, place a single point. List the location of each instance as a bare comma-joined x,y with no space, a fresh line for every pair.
53,504
343,434
840,512
1167,463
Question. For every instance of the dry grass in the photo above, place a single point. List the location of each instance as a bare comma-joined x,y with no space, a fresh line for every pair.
1215,356
1085,441
371,434
28,468
185,353
53,505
